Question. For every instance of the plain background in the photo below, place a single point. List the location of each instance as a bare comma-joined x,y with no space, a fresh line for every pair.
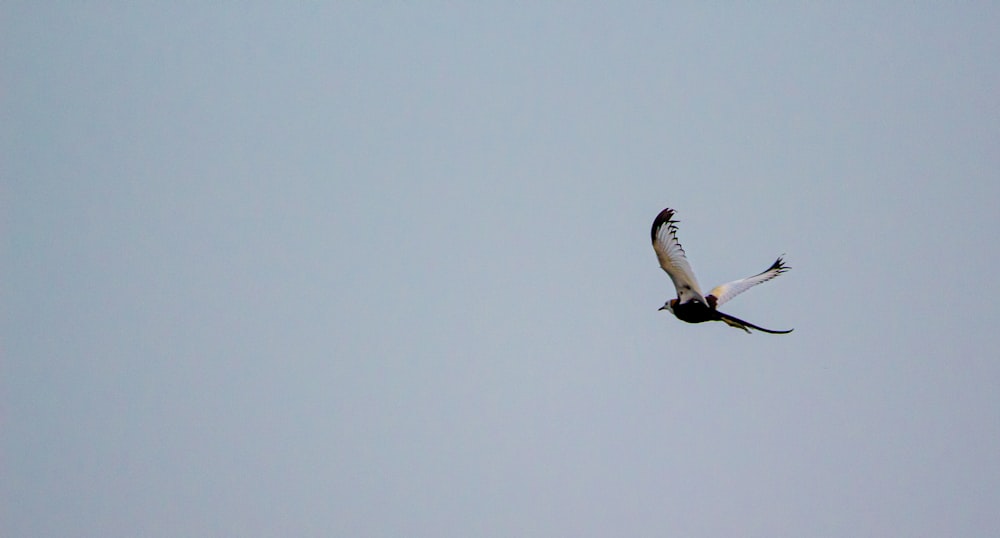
383,269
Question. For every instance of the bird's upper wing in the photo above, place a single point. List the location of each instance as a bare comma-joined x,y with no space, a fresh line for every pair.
725,292
672,260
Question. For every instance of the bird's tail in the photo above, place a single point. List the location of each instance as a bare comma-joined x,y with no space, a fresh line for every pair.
740,324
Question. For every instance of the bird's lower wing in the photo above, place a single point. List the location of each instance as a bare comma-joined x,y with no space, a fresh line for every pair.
725,292
671,256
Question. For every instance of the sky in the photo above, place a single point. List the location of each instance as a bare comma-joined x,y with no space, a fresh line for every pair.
383,269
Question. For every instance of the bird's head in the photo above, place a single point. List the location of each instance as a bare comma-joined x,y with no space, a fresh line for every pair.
669,306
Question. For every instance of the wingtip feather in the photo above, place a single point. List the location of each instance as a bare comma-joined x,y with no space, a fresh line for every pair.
779,265
664,217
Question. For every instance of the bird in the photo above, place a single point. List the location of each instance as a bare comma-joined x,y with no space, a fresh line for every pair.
690,305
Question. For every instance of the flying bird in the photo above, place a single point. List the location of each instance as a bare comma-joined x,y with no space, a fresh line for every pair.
690,305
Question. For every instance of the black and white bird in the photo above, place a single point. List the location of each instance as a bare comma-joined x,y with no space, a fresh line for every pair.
690,305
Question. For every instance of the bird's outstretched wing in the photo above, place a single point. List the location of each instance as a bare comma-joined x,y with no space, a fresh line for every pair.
725,292
672,260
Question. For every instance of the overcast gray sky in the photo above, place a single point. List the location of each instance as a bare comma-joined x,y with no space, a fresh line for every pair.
384,270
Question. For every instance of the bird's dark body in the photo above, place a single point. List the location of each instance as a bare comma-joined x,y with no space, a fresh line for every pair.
695,312
698,312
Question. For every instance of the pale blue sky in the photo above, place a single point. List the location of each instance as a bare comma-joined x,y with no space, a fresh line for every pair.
385,270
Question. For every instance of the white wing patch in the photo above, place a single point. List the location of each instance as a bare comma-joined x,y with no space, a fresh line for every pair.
725,292
671,256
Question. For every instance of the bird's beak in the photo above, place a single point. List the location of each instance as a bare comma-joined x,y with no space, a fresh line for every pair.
664,307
